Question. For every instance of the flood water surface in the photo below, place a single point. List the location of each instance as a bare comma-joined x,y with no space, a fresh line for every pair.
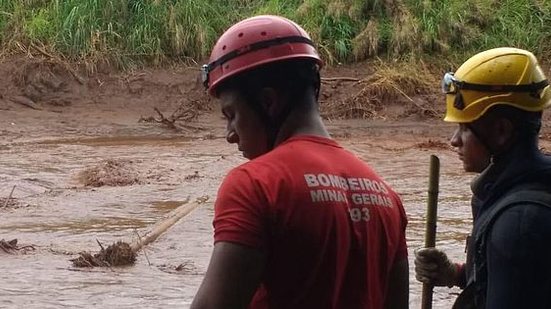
60,216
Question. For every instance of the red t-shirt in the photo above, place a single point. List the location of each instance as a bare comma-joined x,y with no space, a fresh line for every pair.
330,226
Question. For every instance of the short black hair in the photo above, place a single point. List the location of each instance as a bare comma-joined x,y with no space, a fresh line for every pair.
295,77
525,122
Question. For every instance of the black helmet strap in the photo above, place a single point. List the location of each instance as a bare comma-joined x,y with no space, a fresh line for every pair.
530,88
207,68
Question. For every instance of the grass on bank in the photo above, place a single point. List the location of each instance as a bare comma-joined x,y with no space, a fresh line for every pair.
127,32
121,32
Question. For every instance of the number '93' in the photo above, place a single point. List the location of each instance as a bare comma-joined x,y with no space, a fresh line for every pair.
359,214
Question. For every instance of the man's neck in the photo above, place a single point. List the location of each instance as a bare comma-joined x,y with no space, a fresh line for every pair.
302,122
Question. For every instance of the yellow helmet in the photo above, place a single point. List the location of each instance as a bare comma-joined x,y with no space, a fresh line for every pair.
508,76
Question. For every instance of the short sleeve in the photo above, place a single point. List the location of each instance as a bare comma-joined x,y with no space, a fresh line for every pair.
402,251
239,214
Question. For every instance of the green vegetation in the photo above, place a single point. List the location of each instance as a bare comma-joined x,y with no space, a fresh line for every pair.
129,32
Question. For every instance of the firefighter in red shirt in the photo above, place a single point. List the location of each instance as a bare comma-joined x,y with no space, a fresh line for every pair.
304,223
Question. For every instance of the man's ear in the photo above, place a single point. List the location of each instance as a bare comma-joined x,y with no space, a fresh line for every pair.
505,132
269,98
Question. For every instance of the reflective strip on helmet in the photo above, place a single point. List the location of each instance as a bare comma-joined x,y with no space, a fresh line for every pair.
448,82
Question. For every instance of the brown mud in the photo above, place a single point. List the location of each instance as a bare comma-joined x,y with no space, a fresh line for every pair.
102,157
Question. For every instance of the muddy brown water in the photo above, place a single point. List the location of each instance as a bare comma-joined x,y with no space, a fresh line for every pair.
43,154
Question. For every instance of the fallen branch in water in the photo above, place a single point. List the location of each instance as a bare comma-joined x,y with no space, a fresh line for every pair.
122,253
9,198
23,100
11,246
187,110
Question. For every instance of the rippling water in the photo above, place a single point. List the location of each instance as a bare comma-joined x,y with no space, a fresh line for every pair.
60,217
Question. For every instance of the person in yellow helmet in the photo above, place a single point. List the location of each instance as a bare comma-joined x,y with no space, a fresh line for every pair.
497,97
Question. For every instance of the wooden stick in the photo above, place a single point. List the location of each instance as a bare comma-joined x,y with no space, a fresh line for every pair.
23,100
344,79
430,231
139,240
9,197
164,225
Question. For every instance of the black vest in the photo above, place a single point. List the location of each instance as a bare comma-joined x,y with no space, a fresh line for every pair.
524,195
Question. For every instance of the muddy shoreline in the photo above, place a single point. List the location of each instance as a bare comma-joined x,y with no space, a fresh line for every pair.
86,168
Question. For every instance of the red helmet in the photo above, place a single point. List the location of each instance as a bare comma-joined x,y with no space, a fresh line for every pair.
253,42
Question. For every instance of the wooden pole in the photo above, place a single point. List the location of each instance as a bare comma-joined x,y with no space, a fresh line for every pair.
164,225
7,202
430,228
122,253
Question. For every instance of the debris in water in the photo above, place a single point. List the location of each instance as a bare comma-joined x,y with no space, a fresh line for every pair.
195,175
187,267
6,202
122,253
110,173
11,247
117,254
431,144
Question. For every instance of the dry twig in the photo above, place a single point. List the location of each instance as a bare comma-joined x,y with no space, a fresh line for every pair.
9,197
431,112
344,79
186,111
11,246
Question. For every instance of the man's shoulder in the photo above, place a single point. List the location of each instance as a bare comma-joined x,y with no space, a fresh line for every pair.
308,141
304,155
522,213
534,193
519,205
520,232
298,150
